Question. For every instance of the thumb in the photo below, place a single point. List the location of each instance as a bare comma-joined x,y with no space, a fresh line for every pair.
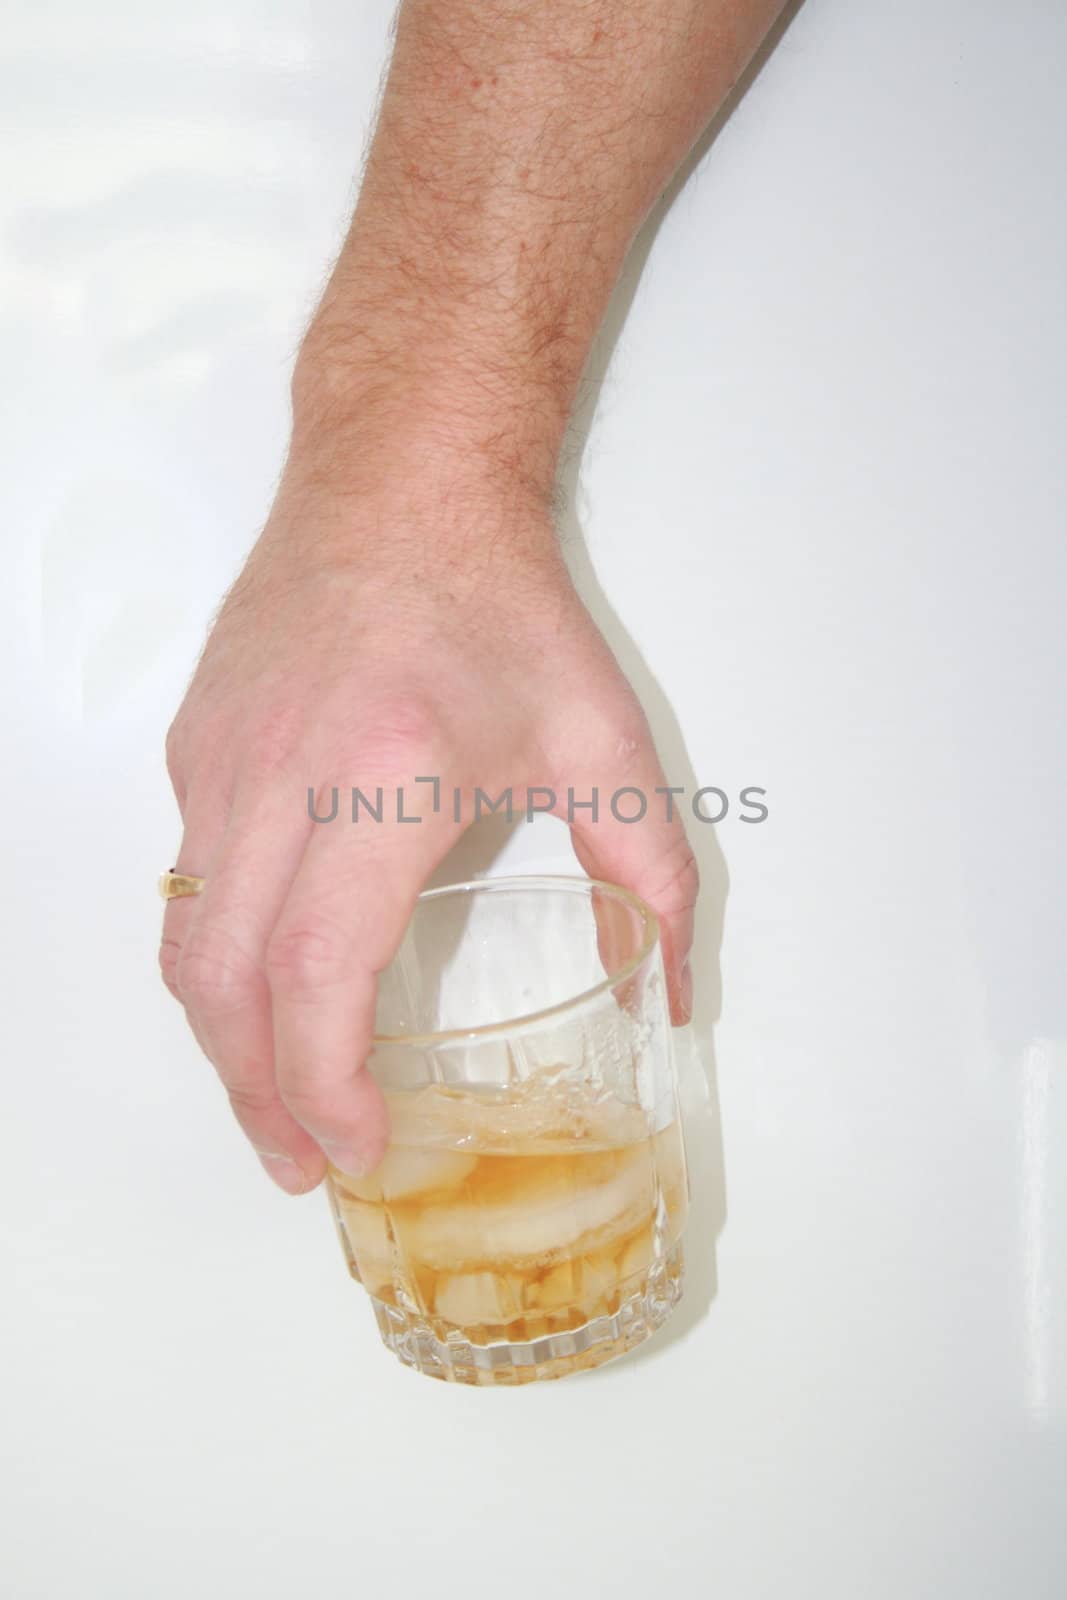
636,838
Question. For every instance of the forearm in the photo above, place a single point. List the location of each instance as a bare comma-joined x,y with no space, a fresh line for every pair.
520,145
406,608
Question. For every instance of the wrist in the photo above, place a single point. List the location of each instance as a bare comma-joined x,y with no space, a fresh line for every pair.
392,471
366,430
387,363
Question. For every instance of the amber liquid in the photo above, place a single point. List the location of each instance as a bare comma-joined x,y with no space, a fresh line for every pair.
499,1225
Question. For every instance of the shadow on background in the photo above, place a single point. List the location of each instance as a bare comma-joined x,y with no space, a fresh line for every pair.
476,852
695,1046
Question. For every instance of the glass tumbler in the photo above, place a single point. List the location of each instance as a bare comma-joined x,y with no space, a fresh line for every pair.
526,1220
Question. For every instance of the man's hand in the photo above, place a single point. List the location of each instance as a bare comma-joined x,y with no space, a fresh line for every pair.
370,643
406,612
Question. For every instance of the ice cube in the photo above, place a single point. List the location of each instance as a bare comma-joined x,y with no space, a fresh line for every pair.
367,1231
348,1188
474,1299
544,1109
637,1256
557,1288
600,1276
405,1171
580,1281
537,1211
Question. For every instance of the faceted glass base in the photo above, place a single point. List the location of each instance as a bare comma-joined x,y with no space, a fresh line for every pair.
456,1360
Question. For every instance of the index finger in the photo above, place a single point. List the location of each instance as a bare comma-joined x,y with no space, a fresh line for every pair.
340,926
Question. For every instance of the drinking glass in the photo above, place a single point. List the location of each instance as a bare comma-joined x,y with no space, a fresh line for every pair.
526,1220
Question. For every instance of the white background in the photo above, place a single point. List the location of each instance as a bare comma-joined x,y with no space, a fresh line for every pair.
823,498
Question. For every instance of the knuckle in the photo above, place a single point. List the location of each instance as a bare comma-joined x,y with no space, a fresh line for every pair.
305,958
169,954
251,1098
604,735
213,975
174,752
305,1095
674,888
630,730
312,1091
273,737
399,729
620,733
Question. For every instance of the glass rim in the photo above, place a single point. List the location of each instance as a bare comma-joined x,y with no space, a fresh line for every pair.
569,883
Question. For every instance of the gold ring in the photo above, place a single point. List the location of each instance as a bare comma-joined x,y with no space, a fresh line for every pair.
175,885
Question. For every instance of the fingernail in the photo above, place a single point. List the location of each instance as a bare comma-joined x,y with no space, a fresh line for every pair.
685,992
285,1172
350,1162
